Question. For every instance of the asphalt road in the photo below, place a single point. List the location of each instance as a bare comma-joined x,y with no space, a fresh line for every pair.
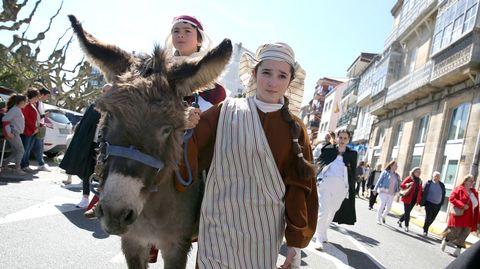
40,227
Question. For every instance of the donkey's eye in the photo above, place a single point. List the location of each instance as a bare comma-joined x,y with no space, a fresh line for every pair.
165,131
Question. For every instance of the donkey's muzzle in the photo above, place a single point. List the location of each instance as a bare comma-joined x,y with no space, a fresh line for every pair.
115,221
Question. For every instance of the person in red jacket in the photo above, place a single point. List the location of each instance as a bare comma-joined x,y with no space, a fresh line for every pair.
32,122
460,224
413,196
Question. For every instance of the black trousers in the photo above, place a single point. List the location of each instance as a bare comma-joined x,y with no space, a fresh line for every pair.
362,183
86,186
431,211
372,199
407,209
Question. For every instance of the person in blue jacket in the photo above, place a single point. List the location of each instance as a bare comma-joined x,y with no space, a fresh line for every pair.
387,186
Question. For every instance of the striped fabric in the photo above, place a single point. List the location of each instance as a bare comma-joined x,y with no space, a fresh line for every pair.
242,217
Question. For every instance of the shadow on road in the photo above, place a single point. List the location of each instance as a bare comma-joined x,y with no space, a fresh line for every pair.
356,259
430,239
77,218
7,177
359,237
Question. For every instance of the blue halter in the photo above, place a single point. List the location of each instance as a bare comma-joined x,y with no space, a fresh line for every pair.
133,154
186,136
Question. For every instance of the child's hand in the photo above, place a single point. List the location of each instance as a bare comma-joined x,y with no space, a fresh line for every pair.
193,117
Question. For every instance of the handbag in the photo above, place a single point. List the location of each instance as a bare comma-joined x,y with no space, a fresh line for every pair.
406,191
42,130
457,211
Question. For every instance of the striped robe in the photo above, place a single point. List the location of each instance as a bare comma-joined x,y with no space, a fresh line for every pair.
242,215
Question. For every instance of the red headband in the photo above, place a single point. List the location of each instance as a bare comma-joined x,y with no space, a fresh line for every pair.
188,19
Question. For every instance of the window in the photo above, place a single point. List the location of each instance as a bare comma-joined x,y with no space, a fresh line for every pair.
398,135
422,130
454,21
416,161
457,27
447,34
437,41
379,138
413,60
470,16
458,123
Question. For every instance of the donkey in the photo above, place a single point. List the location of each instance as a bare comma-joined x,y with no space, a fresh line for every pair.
143,121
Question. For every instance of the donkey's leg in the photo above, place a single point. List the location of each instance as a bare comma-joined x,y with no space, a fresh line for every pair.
135,253
175,254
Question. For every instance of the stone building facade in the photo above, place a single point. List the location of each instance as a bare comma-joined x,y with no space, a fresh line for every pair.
428,110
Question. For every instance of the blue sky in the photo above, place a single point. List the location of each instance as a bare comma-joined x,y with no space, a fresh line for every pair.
326,35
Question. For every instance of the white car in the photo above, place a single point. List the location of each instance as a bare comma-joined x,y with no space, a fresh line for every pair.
58,128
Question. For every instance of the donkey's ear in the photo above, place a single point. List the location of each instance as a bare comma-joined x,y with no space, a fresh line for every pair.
112,60
189,77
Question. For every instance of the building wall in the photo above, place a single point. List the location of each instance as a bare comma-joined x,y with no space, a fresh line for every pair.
440,108
330,115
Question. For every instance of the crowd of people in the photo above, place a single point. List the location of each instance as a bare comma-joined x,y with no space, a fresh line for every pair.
24,128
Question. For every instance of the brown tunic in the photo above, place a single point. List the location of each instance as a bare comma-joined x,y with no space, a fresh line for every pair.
301,201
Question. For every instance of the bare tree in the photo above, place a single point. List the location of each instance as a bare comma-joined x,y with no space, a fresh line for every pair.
20,66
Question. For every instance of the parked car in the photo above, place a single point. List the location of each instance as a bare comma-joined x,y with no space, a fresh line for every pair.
58,128
73,116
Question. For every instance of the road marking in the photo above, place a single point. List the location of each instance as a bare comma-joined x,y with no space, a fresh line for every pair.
361,248
119,258
331,253
54,206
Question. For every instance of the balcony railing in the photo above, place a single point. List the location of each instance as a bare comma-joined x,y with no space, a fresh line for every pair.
406,20
409,83
378,106
348,117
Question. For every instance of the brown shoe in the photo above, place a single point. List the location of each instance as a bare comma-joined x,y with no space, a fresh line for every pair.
90,214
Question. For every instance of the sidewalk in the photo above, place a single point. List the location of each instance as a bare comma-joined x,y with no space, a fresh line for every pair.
417,217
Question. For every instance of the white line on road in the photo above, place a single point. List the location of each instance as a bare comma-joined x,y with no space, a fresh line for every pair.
54,206
119,258
333,254
361,248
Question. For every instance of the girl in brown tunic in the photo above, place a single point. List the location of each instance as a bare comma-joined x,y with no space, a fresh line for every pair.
260,185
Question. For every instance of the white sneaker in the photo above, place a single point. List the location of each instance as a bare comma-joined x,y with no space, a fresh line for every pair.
83,203
457,252
318,245
443,245
44,168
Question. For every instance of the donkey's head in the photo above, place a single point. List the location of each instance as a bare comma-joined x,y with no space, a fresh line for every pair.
143,120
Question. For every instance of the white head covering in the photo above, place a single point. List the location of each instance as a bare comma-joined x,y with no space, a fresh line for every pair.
206,41
278,52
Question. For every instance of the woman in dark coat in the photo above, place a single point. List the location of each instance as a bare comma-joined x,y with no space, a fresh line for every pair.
337,165
79,158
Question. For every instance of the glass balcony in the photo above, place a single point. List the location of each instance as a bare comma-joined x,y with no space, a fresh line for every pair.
409,18
455,63
409,86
